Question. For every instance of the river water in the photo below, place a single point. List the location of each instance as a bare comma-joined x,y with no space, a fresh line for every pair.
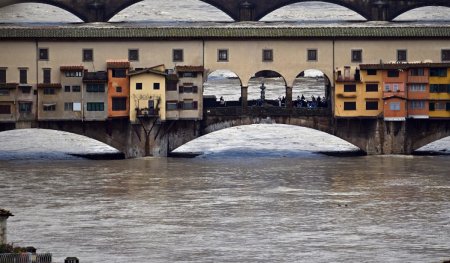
311,208
257,199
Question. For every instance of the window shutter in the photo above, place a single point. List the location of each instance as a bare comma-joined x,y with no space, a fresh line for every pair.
181,89
195,89
195,104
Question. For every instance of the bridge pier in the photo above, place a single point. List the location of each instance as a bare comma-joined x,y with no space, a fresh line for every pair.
379,11
244,98
246,11
288,97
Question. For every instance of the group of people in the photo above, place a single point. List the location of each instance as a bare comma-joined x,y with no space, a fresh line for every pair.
318,102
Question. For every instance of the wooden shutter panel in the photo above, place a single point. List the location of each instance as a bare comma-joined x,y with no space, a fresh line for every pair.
195,89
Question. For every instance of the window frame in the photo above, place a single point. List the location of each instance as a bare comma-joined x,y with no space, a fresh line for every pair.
115,73
223,51
44,56
394,106
27,109
123,104
85,55
349,87
23,76
349,105
370,103
399,54
47,75
177,55
131,57
371,85
356,59
3,72
445,57
267,55
139,86
315,52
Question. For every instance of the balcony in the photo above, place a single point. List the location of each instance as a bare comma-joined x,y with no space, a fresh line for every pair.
147,113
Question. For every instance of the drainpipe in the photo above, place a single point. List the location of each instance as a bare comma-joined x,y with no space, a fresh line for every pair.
37,81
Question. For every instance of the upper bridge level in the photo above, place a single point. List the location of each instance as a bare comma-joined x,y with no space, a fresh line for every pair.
238,10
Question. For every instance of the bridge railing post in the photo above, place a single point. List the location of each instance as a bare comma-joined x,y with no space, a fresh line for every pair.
288,97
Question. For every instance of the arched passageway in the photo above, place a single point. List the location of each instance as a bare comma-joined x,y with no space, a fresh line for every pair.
268,86
49,144
266,140
313,10
223,84
312,85
160,10
428,13
37,13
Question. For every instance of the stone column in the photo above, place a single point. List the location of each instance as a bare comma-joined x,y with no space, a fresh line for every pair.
244,98
288,97
4,214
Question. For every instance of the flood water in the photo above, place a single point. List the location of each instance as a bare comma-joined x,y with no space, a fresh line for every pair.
311,208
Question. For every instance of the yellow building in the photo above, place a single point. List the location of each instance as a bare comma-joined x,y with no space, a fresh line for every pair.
440,91
358,92
147,93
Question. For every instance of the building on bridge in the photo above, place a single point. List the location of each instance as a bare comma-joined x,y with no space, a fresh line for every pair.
395,91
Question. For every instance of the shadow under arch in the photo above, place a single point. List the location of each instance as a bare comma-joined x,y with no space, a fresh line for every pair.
34,143
80,17
280,4
130,3
420,10
440,146
274,87
265,139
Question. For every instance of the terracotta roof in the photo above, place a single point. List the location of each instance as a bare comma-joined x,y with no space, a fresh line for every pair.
394,97
147,70
8,85
5,213
403,65
189,68
119,64
49,85
221,32
71,68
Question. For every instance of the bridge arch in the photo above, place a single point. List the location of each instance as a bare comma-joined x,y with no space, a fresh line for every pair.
129,3
58,4
347,4
222,83
413,7
436,146
274,87
34,143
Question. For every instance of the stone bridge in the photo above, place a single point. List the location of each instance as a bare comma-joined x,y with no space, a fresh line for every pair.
238,10
153,138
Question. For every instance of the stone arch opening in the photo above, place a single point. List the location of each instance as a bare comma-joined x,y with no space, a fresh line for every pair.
160,10
222,83
311,85
267,87
265,139
313,10
424,13
35,11
52,144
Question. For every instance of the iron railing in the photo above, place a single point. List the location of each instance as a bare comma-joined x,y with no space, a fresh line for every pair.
26,258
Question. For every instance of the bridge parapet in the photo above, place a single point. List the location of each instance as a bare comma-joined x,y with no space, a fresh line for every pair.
267,112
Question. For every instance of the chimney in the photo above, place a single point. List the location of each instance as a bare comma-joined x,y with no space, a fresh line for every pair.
4,214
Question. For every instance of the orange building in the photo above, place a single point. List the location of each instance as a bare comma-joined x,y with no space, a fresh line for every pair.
118,88
418,91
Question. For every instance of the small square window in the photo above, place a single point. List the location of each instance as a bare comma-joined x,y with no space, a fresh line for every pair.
357,55
138,86
312,54
43,54
119,89
445,54
68,106
401,55
267,55
372,72
222,55
177,55
371,105
2,75
349,105
66,88
88,55
133,54
156,86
